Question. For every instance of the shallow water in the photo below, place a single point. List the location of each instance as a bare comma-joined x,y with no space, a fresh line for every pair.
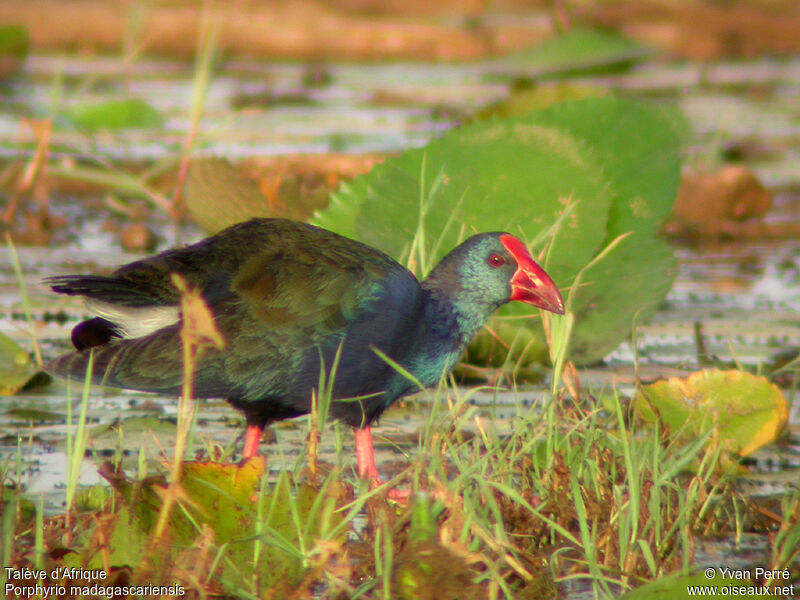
745,292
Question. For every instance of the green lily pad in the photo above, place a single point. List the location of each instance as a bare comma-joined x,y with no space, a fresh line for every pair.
623,288
32,413
132,425
218,495
115,115
14,41
639,146
14,46
523,101
512,175
746,411
16,367
222,494
578,50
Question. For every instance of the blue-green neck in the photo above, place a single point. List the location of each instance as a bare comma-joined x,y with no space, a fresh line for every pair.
452,317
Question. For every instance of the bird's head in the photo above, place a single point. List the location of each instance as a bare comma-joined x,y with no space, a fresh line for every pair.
494,268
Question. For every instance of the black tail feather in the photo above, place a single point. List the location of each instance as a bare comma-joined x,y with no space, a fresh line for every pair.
108,289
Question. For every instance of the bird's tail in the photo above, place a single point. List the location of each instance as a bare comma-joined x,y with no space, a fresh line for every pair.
74,366
138,364
108,289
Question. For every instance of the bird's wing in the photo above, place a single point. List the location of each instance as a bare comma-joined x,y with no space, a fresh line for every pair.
315,289
276,291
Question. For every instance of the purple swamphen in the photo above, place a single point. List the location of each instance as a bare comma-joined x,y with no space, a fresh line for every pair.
286,296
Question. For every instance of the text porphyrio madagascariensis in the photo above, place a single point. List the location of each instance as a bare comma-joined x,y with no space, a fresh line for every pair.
286,296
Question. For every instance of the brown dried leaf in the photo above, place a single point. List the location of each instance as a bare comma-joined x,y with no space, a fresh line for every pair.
713,204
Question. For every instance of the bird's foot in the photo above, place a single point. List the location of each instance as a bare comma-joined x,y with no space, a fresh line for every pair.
400,496
367,468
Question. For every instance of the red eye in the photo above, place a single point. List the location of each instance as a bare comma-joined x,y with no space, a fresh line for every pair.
496,260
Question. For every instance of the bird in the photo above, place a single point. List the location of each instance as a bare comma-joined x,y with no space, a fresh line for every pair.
290,299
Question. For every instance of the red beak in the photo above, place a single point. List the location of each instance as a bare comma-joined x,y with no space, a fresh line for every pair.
530,284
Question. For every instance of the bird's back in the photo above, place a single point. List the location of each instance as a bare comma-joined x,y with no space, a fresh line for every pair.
285,297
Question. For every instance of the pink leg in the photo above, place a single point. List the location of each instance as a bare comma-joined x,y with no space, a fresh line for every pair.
251,440
365,454
365,458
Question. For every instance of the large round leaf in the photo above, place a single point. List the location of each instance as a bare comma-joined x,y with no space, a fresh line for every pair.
639,146
506,175
745,411
624,286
